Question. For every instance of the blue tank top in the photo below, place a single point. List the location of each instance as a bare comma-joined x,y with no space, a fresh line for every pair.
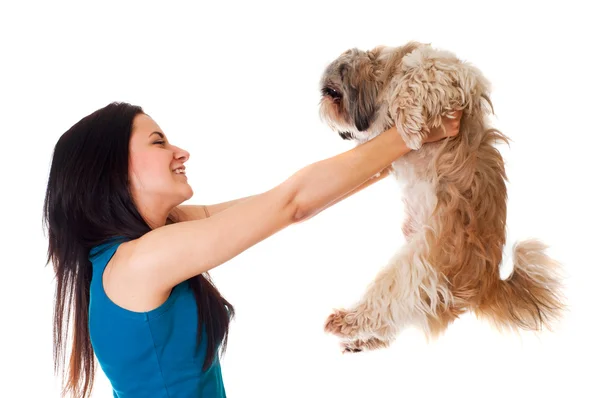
149,354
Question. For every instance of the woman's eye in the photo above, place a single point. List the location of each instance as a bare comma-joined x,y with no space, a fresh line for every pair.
160,142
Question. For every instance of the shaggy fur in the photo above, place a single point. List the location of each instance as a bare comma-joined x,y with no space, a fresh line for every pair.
454,195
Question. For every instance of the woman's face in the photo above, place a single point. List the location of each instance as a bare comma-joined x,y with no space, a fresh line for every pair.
156,173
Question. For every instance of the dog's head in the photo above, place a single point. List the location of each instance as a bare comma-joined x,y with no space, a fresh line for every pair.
350,88
364,93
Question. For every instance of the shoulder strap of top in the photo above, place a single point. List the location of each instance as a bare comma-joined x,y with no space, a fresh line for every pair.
101,254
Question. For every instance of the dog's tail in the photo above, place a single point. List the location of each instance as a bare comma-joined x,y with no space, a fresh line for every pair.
531,297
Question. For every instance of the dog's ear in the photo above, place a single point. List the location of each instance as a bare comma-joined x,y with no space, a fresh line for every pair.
363,104
361,89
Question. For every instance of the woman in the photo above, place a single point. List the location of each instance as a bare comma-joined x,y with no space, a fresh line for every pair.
132,264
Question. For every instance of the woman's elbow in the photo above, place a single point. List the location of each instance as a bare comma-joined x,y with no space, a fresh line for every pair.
301,213
301,208
295,209
296,206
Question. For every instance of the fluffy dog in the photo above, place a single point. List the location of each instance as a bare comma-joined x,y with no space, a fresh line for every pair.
454,196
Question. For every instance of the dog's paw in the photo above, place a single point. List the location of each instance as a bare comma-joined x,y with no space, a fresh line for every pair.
350,348
355,346
341,323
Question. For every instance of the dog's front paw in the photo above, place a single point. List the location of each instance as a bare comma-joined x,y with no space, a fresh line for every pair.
411,125
349,347
342,323
414,141
358,345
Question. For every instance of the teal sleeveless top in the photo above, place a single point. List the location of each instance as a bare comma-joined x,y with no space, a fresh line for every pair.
149,354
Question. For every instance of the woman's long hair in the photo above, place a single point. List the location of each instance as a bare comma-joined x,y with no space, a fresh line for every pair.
88,202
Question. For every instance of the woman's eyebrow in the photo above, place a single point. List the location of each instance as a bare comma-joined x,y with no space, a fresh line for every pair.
161,135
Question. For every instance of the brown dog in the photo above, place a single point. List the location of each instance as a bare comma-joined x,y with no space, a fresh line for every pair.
455,199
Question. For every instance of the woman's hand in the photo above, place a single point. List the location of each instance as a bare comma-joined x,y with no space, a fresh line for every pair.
450,124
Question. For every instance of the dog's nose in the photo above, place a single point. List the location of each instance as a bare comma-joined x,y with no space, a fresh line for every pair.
346,135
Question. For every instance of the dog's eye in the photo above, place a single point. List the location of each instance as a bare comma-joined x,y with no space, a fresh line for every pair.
332,93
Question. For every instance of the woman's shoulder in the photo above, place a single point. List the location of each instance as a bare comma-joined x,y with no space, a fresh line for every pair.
118,278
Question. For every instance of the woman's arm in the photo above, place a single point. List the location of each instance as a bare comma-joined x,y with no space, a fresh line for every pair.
198,212
377,177
329,181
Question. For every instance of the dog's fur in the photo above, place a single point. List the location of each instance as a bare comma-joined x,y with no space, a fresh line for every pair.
455,200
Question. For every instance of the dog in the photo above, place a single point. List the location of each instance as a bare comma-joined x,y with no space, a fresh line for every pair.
455,201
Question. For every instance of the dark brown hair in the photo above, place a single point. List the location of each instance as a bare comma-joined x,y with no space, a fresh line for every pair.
88,202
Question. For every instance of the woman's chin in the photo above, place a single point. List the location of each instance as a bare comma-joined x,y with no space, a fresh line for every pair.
189,192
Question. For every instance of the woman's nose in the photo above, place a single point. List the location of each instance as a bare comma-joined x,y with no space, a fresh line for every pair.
181,154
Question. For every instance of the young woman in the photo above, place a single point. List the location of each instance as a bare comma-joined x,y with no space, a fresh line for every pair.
132,263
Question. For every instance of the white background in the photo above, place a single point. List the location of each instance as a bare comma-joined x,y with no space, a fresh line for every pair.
236,84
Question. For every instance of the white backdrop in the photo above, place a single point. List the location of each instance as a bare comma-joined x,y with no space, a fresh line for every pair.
236,84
